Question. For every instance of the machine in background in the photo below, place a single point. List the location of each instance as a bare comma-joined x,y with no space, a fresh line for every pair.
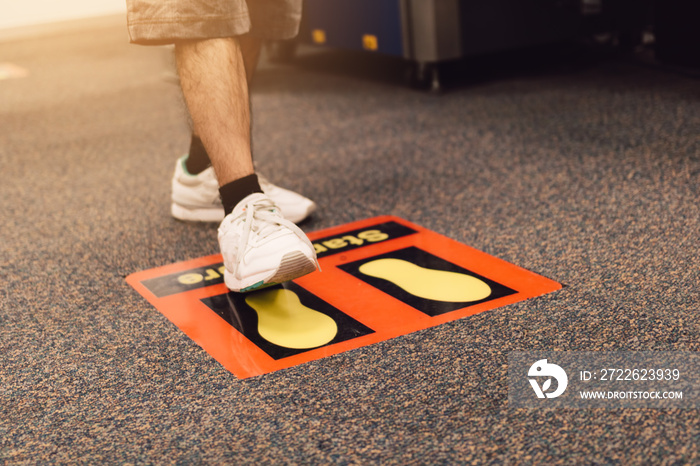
427,32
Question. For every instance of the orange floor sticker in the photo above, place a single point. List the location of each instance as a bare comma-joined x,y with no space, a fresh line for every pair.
381,278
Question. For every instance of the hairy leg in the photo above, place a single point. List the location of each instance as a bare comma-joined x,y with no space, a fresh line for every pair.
198,159
215,86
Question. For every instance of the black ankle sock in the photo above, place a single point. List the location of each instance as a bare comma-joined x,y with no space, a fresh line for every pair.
232,193
198,160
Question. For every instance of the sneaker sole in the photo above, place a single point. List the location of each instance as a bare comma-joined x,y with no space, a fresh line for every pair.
293,265
186,214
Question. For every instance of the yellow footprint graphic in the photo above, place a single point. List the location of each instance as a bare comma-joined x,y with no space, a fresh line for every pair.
437,285
285,321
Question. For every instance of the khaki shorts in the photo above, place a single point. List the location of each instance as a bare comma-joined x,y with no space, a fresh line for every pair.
153,22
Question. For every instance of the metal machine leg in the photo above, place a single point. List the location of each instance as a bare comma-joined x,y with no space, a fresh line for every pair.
425,76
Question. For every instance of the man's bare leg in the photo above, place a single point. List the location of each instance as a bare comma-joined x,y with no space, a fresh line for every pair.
213,79
215,86
198,159
197,202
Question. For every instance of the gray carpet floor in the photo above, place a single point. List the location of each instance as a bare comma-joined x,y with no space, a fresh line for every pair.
582,166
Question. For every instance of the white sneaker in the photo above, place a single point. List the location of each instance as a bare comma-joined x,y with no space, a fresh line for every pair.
195,198
294,206
262,248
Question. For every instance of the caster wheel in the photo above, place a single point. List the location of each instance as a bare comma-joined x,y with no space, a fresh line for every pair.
424,76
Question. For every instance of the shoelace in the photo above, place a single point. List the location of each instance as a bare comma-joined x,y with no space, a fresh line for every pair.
266,211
